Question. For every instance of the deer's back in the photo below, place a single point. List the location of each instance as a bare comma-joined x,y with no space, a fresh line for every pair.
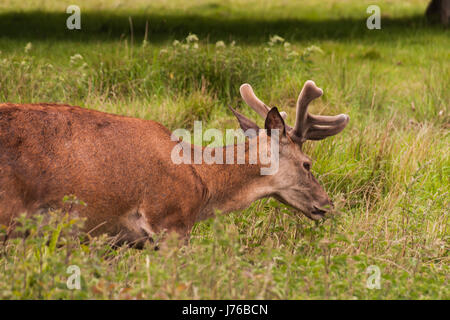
113,163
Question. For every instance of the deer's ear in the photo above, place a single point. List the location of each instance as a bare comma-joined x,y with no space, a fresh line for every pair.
274,120
245,122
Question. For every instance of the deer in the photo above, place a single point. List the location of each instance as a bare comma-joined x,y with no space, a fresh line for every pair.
121,168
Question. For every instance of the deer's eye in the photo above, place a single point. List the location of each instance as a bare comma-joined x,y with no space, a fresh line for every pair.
307,166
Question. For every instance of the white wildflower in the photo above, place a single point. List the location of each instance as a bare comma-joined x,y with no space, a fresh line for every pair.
312,49
28,47
220,44
191,38
276,39
75,58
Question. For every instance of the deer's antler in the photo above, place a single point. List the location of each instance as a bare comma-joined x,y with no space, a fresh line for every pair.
315,127
307,126
252,100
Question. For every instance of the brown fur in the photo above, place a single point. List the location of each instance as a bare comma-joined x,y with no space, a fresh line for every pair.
117,165
122,168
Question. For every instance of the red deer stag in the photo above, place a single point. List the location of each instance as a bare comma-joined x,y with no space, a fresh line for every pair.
122,168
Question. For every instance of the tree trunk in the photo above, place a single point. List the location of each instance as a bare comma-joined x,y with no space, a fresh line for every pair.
439,10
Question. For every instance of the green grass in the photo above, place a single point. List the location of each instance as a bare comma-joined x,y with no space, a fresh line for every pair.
388,171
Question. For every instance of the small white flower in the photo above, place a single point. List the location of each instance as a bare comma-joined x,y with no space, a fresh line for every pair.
220,44
275,39
175,43
77,60
74,59
28,47
312,49
192,38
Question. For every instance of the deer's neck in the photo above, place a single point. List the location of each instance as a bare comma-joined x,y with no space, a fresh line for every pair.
232,186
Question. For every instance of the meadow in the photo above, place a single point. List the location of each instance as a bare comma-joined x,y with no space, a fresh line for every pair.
179,61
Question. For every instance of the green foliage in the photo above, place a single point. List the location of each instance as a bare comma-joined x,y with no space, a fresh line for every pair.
388,171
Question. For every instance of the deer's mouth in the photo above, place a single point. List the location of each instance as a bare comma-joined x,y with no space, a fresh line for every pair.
318,211
315,213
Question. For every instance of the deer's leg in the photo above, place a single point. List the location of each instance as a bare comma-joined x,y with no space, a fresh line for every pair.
11,204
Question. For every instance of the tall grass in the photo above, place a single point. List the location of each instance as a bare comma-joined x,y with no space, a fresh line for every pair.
388,171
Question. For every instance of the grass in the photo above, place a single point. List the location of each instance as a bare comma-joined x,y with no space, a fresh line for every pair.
388,171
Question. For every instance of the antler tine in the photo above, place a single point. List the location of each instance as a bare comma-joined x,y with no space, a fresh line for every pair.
309,92
317,132
307,126
315,127
327,120
250,98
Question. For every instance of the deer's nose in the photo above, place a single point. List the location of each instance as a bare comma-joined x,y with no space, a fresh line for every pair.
325,205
